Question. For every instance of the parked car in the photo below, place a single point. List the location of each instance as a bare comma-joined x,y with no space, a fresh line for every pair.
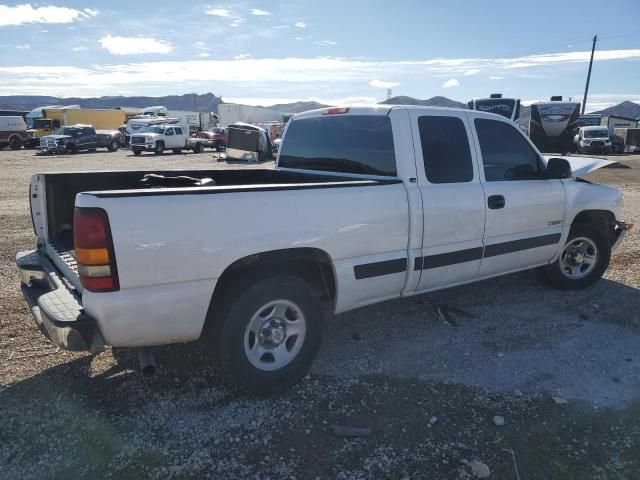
158,138
594,139
76,138
398,203
13,132
214,138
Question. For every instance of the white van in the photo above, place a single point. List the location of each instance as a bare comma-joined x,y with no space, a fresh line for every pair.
13,132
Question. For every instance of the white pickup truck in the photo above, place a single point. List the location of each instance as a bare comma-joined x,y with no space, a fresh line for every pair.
366,204
166,136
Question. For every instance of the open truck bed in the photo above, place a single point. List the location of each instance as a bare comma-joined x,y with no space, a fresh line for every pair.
53,196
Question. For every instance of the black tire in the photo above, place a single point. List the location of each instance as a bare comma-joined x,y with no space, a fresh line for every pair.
136,151
15,143
159,150
71,148
553,273
241,304
198,148
91,150
113,146
176,150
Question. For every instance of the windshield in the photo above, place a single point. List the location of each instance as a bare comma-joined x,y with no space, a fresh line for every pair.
72,132
40,123
596,133
154,129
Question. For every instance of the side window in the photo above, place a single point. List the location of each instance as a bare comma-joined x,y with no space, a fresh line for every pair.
445,150
168,131
506,154
178,130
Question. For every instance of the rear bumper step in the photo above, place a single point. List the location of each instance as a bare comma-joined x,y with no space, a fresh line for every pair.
55,306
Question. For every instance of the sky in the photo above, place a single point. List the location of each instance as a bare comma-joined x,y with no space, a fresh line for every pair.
336,52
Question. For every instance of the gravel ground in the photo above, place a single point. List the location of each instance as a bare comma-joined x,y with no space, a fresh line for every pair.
426,375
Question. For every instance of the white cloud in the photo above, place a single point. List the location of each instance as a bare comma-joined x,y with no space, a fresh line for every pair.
78,49
496,77
451,83
237,21
134,45
280,27
472,71
198,44
25,13
325,43
297,76
301,25
203,55
24,46
259,13
242,56
218,12
383,84
298,38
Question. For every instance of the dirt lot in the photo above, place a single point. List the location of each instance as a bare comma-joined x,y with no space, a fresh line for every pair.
427,389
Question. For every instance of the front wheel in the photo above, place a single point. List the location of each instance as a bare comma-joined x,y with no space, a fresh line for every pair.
159,149
582,262
270,333
113,146
136,151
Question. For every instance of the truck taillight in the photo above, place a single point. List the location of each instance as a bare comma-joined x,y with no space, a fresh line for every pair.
94,250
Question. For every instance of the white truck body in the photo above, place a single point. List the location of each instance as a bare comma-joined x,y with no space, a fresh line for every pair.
165,136
230,113
376,236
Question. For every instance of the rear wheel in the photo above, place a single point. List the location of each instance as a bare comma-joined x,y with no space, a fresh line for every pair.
198,148
113,146
583,260
15,143
176,150
159,149
269,333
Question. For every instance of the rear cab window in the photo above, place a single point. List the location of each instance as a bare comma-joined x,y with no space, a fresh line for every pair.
355,144
445,149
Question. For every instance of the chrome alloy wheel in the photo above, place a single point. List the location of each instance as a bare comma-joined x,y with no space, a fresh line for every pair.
275,335
578,258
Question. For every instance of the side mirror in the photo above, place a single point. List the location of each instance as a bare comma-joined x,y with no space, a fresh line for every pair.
558,168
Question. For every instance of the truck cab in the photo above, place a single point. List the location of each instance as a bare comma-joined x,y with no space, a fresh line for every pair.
593,139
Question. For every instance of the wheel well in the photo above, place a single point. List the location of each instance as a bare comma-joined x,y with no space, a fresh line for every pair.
602,219
311,264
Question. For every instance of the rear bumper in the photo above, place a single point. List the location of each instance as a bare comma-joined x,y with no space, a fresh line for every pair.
55,306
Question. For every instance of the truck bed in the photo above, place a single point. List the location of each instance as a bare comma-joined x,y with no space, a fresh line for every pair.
61,190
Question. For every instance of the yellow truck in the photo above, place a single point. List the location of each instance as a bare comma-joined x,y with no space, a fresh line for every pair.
54,118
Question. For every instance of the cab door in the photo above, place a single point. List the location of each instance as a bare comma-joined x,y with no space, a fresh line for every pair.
524,210
452,199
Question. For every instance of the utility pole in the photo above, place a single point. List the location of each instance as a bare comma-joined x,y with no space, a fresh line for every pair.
388,93
586,88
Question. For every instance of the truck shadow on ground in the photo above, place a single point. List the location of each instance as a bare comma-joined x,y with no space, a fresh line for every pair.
500,334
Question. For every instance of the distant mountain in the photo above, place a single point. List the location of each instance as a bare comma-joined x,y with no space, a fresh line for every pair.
431,102
297,107
624,109
207,102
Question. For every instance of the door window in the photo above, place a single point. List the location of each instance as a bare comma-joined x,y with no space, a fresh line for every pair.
168,132
178,130
506,154
445,149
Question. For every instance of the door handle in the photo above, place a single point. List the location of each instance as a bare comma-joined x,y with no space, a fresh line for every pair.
494,202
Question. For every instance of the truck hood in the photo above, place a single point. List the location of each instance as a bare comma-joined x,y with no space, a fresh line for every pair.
57,137
580,166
